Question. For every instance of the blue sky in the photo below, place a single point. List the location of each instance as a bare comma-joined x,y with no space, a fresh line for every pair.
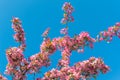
92,16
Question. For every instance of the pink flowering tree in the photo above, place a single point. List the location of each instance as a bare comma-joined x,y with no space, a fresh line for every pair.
18,66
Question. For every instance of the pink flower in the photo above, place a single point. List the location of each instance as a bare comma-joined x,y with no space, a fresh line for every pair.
14,56
110,29
101,39
64,31
64,21
67,7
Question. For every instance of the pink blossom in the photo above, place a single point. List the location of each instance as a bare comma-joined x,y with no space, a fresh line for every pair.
67,7
64,31
14,56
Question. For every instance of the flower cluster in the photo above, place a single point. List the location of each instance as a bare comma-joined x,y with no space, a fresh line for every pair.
19,36
68,9
92,66
48,46
82,40
2,77
108,34
37,61
81,70
17,64
14,56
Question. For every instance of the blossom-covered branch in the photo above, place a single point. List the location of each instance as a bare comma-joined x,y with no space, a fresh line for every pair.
80,71
67,16
17,64
19,36
107,35
68,9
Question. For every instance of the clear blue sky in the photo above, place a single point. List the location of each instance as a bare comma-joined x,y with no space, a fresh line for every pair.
36,15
